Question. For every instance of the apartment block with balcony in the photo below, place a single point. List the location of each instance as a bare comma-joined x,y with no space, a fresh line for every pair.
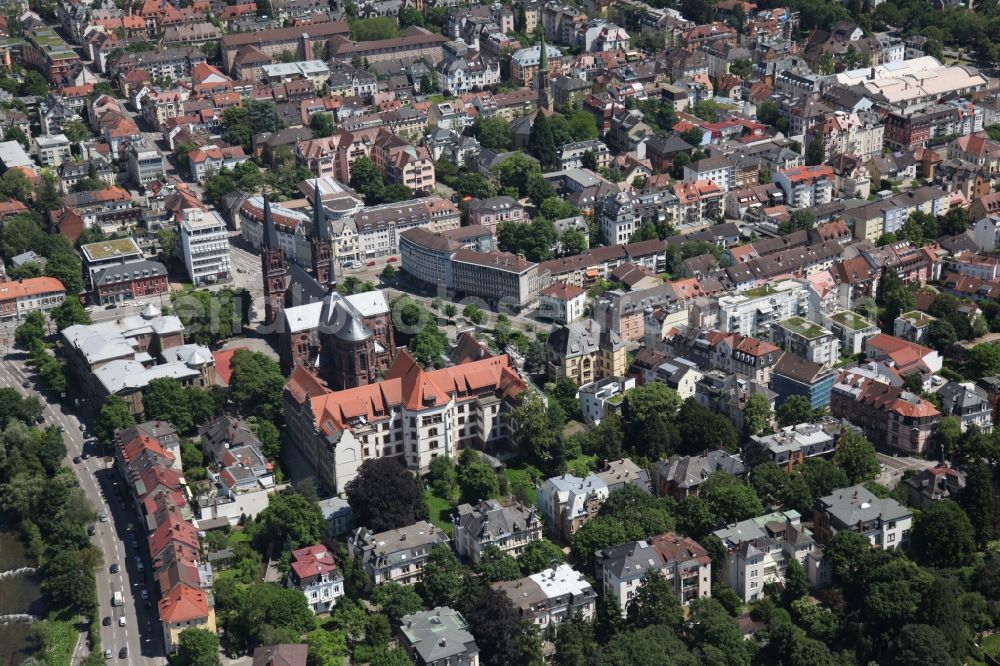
396,556
685,564
551,597
204,243
753,311
145,163
807,339
806,186
504,523
758,551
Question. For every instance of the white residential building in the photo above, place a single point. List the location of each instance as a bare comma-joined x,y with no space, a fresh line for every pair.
758,551
314,572
53,149
807,339
602,396
463,75
562,303
687,566
205,246
551,597
505,523
720,170
885,522
618,219
145,163
752,312
396,556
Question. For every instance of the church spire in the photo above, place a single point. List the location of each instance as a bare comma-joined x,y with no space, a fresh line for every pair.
542,83
321,243
269,239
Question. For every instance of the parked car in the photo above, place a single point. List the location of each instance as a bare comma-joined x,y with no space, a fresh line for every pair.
144,594
371,262
392,260
77,460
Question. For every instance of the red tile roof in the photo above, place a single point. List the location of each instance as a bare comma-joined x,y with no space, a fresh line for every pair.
183,603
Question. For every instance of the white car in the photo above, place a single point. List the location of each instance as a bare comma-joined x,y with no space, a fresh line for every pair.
121,621
104,517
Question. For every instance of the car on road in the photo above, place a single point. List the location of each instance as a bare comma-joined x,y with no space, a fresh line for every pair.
107,621
391,260
77,460
371,262
62,428
104,517
139,304
144,594
114,568
108,653
121,621
123,653
26,384
40,419
83,427
91,530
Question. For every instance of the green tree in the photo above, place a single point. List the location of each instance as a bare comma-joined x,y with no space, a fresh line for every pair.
729,499
30,330
978,501
198,647
708,110
541,143
326,648
256,385
14,184
498,629
397,600
113,416
943,536
655,603
495,565
757,417
538,556
442,583
165,399
796,583
856,456
322,124
366,178
919,644
796,409
984,360
816,150
476,479
693,136
290,521
493,133
583,125
474,313
941,335
534,436
383,496
15,133
68,579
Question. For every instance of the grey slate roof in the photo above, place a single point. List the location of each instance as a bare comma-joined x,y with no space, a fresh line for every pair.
438,635
491,517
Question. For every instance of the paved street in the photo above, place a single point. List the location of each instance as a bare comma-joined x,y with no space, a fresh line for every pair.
894,466
141,633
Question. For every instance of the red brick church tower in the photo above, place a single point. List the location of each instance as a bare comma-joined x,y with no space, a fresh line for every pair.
321,243
274,268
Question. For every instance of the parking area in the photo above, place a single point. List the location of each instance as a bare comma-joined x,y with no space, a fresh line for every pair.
893,467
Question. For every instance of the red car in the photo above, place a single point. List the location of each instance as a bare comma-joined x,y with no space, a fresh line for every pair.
371,262
391,260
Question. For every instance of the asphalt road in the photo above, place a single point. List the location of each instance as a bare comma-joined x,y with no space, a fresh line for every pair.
894,466
141,633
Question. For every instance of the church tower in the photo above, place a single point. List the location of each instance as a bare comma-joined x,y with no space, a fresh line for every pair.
321,243
542,82
274,268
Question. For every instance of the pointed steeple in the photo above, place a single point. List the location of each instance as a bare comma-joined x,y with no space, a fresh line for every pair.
542,83
320,229
269,240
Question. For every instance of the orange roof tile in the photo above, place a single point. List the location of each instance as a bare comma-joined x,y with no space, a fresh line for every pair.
183,603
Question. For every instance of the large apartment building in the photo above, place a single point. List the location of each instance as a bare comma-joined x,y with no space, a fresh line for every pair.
758,551
687,567
204,242
396,556
302,40
412,414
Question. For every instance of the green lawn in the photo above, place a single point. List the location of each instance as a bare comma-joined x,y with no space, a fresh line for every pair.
521,475
238,536
440,511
